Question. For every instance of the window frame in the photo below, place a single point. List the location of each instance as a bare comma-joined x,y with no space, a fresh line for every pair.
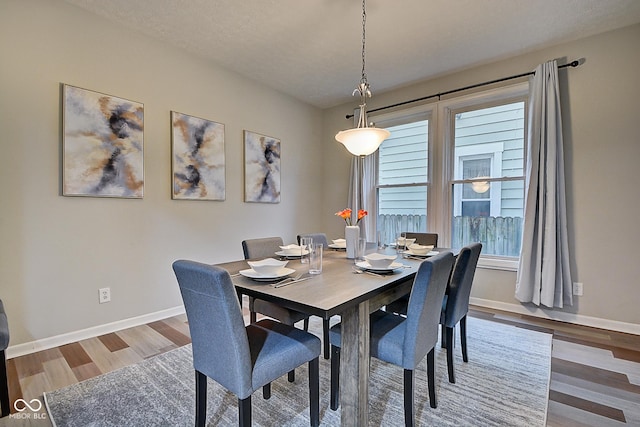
441,157
446,113
423,112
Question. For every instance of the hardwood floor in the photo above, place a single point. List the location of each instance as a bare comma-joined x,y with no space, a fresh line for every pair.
595,374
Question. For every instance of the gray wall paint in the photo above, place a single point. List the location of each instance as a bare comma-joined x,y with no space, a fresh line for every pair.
56,252
602,149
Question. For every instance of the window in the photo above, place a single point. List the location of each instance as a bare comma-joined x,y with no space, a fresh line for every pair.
402,177
487,179
456,167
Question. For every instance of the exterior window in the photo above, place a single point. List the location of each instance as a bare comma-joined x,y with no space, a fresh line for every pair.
475,196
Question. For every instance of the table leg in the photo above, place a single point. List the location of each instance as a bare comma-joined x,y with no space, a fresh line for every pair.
354,366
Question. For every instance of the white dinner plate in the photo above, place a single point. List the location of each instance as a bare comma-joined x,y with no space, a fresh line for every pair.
428,254
337,246
252,274
288,255
366,266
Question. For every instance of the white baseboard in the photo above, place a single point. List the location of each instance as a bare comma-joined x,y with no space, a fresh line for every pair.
83,334
578,319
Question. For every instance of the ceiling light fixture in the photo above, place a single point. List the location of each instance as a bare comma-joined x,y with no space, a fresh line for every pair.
363,139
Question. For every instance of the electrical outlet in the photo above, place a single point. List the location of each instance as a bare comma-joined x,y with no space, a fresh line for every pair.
577,289
104,295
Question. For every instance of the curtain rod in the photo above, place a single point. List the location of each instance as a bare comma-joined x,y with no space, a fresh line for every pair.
530,73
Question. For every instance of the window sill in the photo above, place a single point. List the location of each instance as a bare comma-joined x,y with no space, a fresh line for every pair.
496,263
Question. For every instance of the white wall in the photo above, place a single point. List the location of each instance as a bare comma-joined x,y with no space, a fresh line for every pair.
55,252
600,111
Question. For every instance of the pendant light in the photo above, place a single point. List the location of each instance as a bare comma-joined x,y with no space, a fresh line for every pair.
363,139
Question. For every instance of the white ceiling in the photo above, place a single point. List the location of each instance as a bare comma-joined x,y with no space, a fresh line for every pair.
311,49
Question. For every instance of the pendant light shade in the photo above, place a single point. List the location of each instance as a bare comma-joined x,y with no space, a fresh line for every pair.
363,139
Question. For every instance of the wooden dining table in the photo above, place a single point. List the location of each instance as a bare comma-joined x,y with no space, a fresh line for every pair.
338,290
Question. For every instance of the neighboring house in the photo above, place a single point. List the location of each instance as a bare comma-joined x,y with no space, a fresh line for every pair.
486,146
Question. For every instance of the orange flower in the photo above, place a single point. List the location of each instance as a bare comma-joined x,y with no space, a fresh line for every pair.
346,215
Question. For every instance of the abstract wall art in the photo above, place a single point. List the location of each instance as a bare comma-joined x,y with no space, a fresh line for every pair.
198,160
261,168
102,145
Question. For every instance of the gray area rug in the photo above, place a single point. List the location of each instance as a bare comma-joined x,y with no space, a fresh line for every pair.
505,383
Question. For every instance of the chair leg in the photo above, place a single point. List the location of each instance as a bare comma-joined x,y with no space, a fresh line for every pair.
4,386
244,412
431,378
305,325
314,392
291,376
325,338
408,398
443,336
266,391
450,368
463,338
253,317
201,399
335,377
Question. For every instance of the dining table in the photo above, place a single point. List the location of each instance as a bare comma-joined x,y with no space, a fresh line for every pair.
342,289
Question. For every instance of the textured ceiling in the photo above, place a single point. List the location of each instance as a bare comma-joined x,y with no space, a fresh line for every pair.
311,49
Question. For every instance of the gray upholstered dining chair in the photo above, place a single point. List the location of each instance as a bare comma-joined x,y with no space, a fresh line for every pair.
404,341
399,306
317,238
240,358
264,248
423,238
455,305
4,380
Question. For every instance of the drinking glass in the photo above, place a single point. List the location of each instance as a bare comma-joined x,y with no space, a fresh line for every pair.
305,246
401,241
315,258
361,248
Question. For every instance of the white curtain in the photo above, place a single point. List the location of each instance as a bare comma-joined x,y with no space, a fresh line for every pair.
544,275
362,194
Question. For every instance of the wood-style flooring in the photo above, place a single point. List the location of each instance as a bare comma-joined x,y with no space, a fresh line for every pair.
595,374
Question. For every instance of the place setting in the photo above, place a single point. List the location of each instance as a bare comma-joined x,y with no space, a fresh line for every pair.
292,251
378,264
419,252
338,244
273,272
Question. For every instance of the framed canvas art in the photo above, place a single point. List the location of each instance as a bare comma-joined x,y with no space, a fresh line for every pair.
102,145
198,161
261,168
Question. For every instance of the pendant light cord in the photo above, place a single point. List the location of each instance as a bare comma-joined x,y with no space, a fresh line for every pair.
363,80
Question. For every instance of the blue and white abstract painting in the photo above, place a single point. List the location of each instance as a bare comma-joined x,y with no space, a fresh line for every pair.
261,168
103,145
198,158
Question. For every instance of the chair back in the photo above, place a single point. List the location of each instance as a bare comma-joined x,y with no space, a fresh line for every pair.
317,238
261,248
4,329
218,335
425,305
459,287
425,239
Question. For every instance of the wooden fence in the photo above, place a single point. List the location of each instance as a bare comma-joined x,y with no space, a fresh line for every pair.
500,236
